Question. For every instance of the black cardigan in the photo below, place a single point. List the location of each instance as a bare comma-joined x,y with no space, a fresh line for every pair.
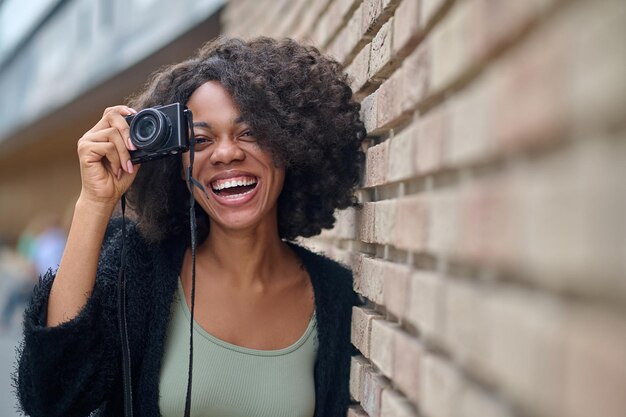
75,368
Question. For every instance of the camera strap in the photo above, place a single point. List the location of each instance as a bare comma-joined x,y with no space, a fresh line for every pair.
123,324
193,227
121,288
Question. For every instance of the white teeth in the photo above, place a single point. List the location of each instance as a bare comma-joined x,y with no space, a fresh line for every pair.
237,195
222,185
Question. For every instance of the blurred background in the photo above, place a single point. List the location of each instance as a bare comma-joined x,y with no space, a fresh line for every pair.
490,249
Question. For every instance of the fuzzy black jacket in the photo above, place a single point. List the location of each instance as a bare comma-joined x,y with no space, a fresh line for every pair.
75,368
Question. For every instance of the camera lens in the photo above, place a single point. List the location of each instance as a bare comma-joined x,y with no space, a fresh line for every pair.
149,129
146,128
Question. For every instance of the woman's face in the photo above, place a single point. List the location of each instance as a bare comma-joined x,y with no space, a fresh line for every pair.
241,180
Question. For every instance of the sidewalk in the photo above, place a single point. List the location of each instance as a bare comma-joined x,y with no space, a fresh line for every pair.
8,402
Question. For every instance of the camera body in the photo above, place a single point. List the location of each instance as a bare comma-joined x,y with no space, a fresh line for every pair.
159,131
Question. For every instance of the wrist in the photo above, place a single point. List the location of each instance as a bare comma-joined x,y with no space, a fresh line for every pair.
95,208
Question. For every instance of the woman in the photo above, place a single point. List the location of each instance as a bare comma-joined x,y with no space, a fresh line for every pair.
277,151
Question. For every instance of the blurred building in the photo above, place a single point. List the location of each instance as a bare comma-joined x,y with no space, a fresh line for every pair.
62,62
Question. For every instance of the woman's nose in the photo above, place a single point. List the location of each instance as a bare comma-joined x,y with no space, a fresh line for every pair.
226,151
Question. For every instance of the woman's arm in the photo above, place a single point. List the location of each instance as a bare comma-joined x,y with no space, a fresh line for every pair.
106,173
76,275
73,368
69,359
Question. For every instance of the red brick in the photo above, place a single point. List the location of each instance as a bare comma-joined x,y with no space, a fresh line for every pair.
407,366
401,164
443,222
375,13
320,33
381,53
466,323
469,137
358,69
362,328
356,411
348,38
595,364
385,215
596,64
276,17
371,281
415,74
529,94
426,305
407,25
356,265
333,19
442,386
525,353
389,104
289,18
366,223
357,365
430,8
410,231
373,386
304,29
395,405
498,22
372,13
382,345
451,56
376,164
569,208
343,7
396,289
476,402
369,110
430,140
486,235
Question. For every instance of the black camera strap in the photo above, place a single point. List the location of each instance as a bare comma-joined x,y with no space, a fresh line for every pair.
192,225
123,324
121,288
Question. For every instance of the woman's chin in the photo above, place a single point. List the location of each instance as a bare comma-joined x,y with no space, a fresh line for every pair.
240,222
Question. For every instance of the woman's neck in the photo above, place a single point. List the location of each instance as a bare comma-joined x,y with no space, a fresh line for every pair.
246,258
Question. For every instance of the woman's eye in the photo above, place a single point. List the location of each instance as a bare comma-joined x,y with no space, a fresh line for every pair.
247,134
202,141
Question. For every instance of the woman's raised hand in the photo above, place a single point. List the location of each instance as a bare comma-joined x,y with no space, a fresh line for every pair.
105,167
106,173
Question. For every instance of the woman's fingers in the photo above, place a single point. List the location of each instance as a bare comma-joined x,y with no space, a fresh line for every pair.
114,136
121,141
106,168
110,114
115,118
95,152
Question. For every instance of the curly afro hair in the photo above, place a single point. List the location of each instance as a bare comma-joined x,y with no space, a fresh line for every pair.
301,109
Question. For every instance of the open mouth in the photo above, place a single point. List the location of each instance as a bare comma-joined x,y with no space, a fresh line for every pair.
234,187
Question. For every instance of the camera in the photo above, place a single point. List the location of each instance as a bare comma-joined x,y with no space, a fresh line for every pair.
159,131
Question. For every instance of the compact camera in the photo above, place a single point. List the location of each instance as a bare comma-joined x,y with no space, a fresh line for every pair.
159,131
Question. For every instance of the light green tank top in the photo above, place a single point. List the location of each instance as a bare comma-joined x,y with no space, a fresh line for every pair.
234,381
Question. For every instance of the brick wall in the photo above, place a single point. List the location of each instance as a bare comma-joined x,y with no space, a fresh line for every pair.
491,246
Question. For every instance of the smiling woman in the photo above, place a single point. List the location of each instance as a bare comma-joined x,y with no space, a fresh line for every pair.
277,151
243,179
299,108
